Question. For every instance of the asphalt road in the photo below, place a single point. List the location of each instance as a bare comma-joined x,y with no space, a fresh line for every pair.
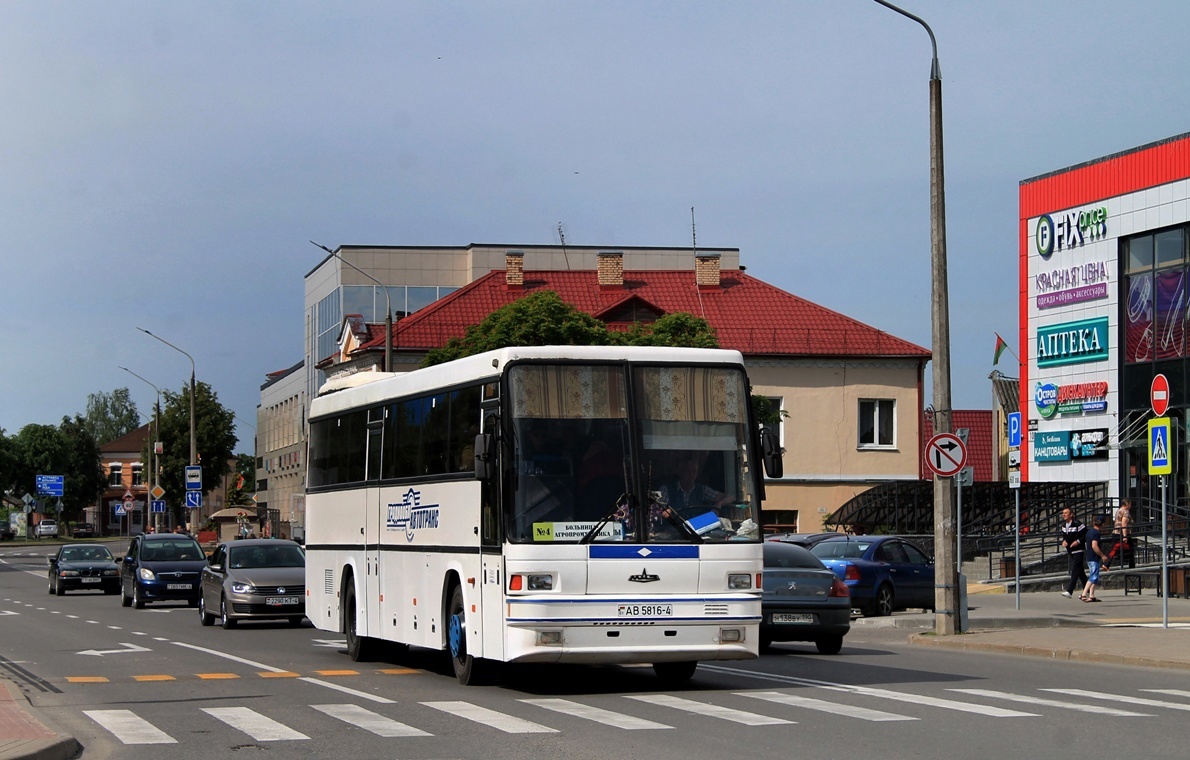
139,683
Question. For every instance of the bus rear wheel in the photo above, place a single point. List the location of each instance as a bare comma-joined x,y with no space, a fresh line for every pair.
359,648
468,669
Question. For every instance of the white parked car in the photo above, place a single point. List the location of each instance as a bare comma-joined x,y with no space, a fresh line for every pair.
47,529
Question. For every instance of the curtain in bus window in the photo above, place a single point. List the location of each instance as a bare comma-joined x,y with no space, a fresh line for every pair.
572,392
1139,326
1169,313
693,393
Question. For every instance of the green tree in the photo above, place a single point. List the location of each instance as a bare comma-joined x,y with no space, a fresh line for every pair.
111,415
538,319
67,450
8,463
214,435
677,329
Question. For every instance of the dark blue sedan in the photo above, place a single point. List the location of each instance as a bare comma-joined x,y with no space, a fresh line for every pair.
884,573
803,601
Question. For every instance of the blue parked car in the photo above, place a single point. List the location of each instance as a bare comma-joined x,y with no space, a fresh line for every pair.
884,573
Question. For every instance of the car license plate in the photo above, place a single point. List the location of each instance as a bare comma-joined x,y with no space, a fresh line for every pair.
91,580
178,586
645,610
281,601
790,617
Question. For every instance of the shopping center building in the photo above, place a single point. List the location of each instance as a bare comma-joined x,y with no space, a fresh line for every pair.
1102,310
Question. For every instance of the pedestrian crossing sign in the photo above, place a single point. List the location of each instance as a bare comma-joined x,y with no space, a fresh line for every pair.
1160,462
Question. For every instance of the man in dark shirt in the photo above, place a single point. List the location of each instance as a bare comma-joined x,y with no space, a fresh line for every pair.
1074,538
1096,557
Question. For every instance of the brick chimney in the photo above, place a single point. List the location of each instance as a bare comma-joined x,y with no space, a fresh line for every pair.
706,271
514,270
611,270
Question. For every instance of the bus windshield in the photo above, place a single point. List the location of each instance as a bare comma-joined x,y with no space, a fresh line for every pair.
670,461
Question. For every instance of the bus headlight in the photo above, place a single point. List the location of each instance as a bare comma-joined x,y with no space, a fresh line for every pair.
739,581
531,582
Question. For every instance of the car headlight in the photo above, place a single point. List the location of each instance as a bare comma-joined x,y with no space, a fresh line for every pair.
242,588
68,573
111,571
146,574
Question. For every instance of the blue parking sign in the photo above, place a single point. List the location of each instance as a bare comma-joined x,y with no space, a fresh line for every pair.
1014,430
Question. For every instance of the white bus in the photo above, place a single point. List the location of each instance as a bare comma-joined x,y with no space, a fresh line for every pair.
583,504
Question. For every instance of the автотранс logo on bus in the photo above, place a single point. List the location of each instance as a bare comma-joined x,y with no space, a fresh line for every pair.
410,515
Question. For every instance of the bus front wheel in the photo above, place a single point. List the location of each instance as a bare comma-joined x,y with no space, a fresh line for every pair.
466,668
359,648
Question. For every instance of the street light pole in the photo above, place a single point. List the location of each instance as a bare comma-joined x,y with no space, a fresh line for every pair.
947,576
155,477
388,317
193,442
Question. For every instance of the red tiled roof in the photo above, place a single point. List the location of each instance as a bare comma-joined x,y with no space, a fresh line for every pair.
981,448
133,441
748,315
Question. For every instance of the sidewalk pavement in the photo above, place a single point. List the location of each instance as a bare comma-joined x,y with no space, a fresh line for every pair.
1126,630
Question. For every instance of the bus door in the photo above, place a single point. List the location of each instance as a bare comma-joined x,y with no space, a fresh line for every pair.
490,556
373,515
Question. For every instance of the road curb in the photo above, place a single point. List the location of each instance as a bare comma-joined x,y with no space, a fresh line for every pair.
35,737
970,643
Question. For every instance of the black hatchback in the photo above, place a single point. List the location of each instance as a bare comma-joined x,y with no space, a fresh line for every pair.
161,567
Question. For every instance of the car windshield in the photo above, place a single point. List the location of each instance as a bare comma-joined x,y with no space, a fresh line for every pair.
86,554
171,551
840,549
284,555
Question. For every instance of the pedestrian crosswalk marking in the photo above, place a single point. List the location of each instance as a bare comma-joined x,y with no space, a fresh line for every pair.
128,727
369,721
1171,692
352,692
1122,698
835,708
606,717
506,723
711,711
259,727
1098,709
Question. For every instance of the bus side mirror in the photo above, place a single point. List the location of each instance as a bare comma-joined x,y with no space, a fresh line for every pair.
485,462
771,451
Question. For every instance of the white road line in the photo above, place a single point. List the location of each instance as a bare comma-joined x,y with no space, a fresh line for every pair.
896,696
711,711
835,708
1098,709
1122,698
345,690
1171,692
369,721
129,728
254,724
606,717
482,715
231,657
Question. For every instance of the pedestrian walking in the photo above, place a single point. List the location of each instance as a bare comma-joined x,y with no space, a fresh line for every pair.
1074,537
1095,558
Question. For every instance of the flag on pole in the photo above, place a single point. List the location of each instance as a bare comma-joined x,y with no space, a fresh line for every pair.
1001,346
240,479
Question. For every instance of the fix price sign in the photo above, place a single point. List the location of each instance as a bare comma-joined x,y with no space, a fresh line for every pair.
946,455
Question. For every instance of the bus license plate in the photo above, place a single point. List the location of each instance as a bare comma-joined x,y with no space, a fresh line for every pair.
645,610
280,601
178,586
789,617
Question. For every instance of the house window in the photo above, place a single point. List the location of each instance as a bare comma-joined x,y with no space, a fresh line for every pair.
137,479
770,412
877,423
115,475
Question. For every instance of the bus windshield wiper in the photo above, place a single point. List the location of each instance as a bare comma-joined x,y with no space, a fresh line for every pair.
624,500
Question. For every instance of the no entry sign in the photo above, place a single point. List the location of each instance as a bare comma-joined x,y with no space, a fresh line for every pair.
1159,395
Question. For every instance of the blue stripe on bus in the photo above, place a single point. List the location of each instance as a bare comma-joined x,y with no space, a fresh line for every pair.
650,553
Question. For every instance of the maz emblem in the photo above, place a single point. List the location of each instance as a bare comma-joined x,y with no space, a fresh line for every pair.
644,577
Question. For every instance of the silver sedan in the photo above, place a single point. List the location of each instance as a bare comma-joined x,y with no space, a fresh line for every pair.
254,579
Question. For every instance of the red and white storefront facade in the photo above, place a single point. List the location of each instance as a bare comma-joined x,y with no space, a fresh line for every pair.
1104,289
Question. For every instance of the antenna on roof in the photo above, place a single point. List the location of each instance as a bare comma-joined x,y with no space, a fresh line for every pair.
562,240
702,309
693,233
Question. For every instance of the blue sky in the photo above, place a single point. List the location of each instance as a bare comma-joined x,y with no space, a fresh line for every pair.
165,164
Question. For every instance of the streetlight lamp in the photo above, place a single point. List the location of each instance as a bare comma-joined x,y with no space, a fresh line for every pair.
193,443
946,591
388,317
155,479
